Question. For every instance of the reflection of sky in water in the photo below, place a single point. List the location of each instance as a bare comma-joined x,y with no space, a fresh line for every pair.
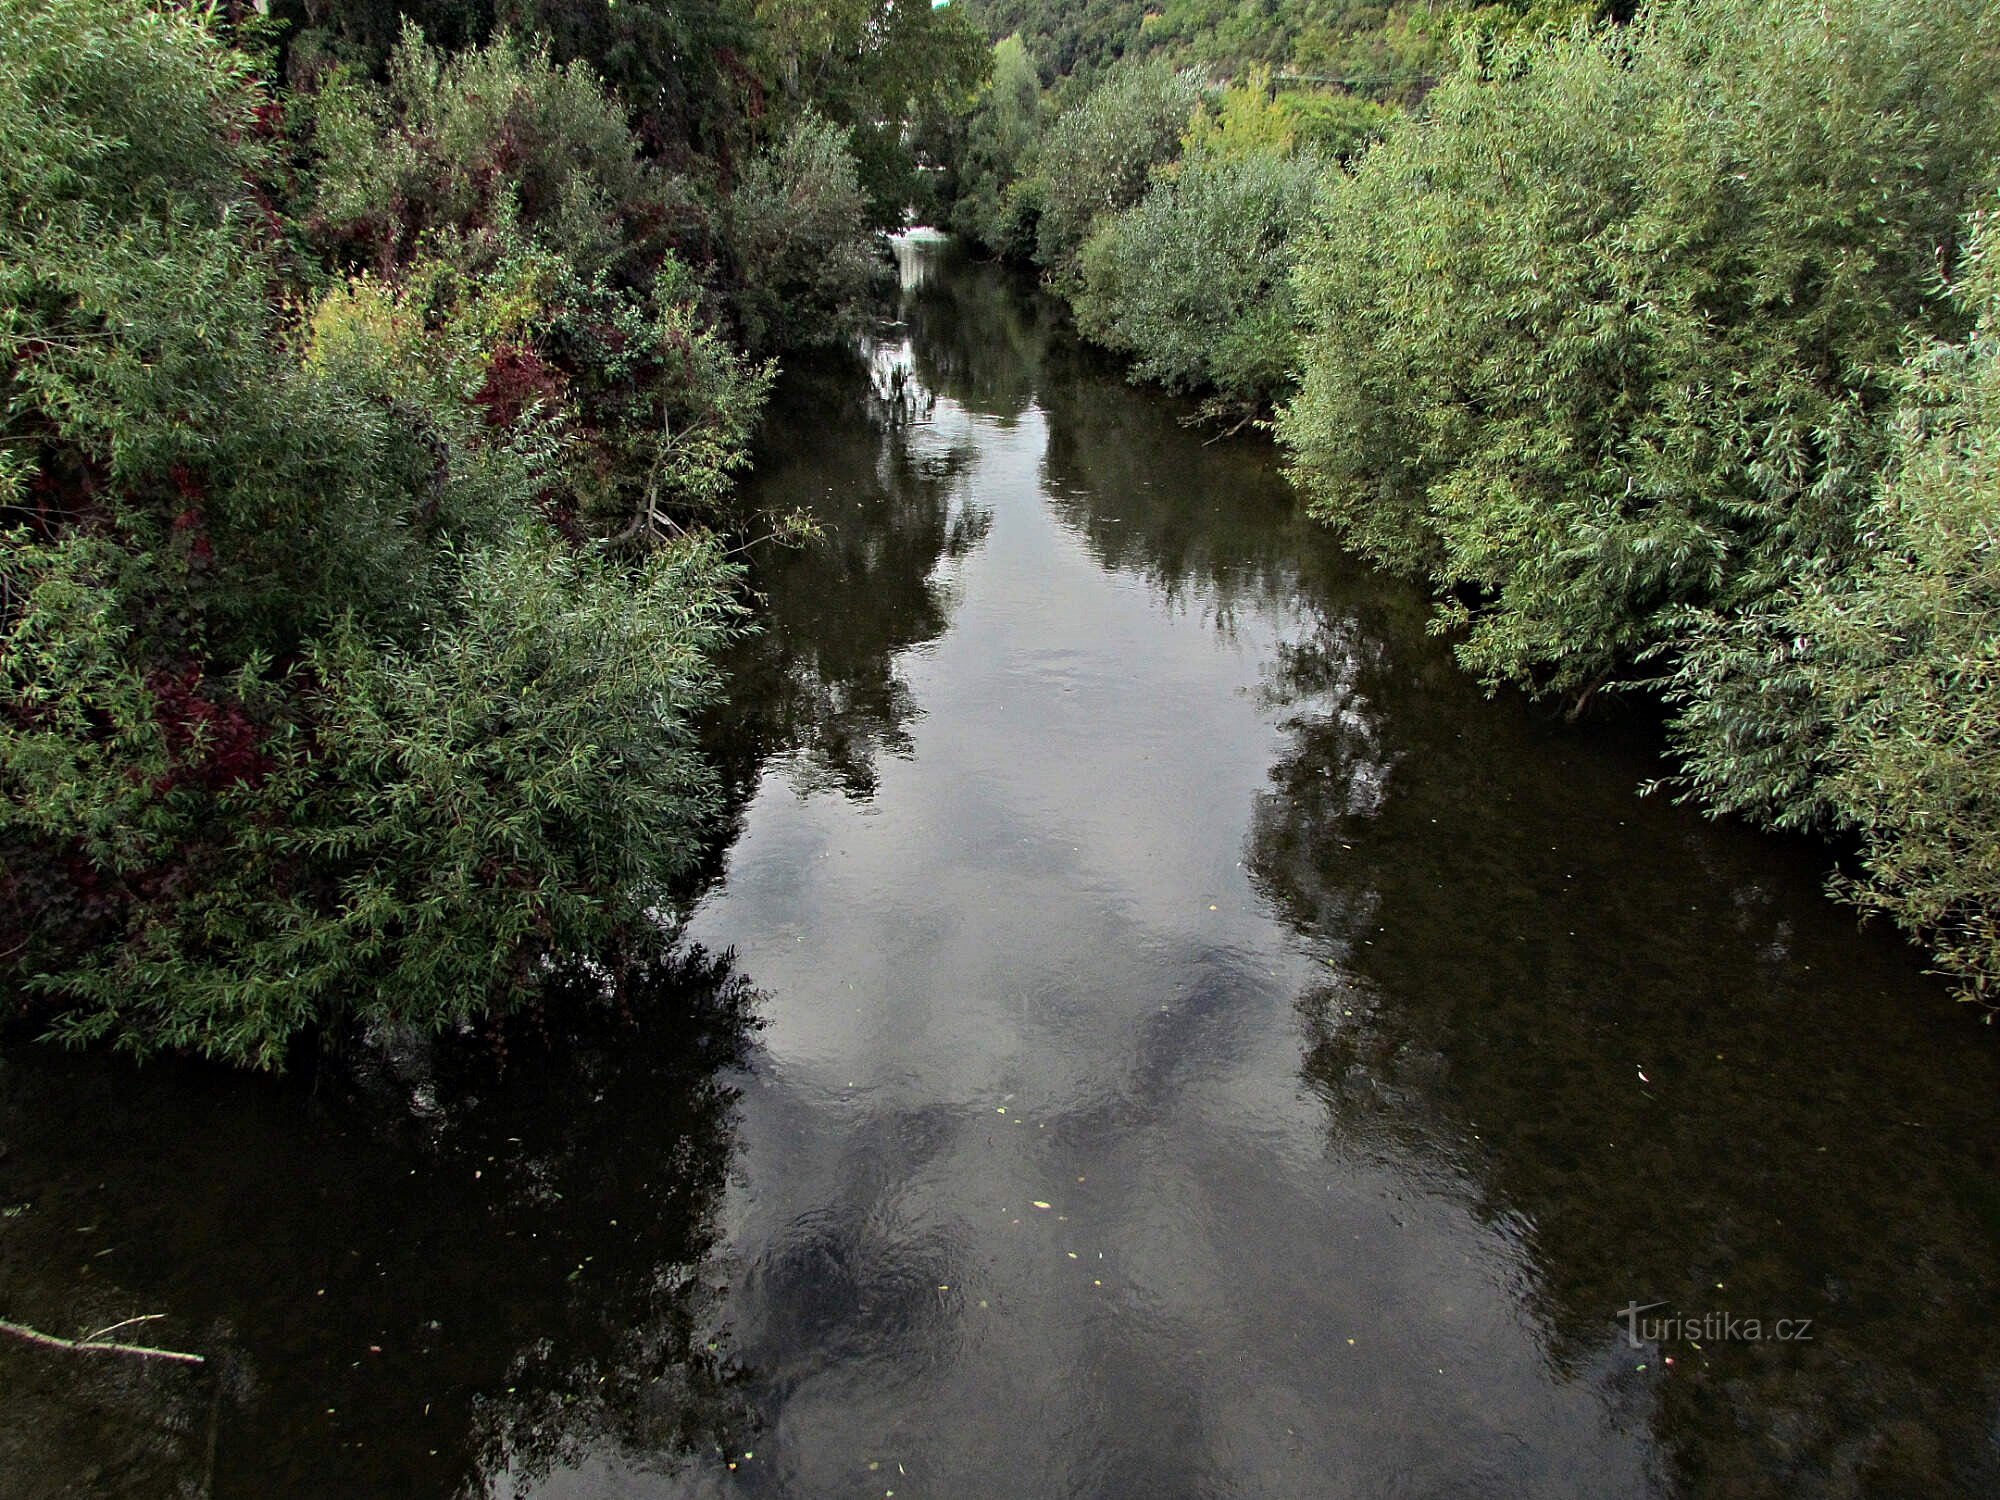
1180,798
1031,966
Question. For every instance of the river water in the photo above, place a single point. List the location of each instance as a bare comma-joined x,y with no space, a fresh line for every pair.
1205,1047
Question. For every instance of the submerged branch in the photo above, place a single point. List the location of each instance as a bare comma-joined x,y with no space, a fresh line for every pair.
96,1345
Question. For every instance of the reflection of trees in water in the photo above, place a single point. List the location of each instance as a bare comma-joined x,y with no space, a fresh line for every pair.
1211,525
1514,939
818,680
422,1274
896,397
980,337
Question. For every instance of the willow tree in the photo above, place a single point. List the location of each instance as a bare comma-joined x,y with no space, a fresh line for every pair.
1611,329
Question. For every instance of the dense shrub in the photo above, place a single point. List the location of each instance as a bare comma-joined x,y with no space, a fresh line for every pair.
306,712
503,200
994,145
1608,333
680,69
799,224
1866,693
1100,155
1195,280
495,134
1610,346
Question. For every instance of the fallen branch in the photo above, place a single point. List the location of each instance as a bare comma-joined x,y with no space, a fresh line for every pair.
95,1345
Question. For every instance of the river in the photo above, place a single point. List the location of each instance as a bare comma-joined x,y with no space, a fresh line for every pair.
1202,1046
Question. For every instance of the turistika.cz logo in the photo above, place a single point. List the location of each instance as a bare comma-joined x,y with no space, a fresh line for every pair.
1713,1327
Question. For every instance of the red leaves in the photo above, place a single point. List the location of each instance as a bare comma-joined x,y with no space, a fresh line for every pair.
67,492
516,380
213,741
190,525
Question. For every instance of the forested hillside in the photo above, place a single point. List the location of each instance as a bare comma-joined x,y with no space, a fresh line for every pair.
376,381
1393,50
1658,343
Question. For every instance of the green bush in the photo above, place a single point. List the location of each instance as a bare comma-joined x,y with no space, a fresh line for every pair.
798,222
503,201
995,144
498,134
1100,155
1608,332
1195,280
1866,695
1339,126
1611,345
306,713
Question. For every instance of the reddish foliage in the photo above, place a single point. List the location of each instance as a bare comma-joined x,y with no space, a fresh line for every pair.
213,741
516,380
190,524
66,493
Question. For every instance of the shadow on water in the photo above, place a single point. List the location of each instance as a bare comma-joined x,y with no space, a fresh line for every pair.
1692,1085
420,1273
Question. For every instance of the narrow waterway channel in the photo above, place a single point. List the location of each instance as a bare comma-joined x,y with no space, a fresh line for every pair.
1208,1049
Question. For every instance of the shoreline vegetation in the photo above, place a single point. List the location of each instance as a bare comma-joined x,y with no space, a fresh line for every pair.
379,379
1660,343
375,392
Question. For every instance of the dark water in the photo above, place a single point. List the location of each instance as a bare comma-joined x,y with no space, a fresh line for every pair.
1211,1050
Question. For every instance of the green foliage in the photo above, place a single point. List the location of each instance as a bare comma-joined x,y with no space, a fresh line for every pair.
1100,154
1068,39
1611,345
498,134
874,68
1338,125
799,224
506,207
1607,333
1863,695
994,146
307,712
678,67
1377,50
1195,281
1241,120
416,830
1396,53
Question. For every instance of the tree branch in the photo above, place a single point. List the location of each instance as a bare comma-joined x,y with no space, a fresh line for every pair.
95,1345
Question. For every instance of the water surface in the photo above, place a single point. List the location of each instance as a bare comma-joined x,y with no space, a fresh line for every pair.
1209,1049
